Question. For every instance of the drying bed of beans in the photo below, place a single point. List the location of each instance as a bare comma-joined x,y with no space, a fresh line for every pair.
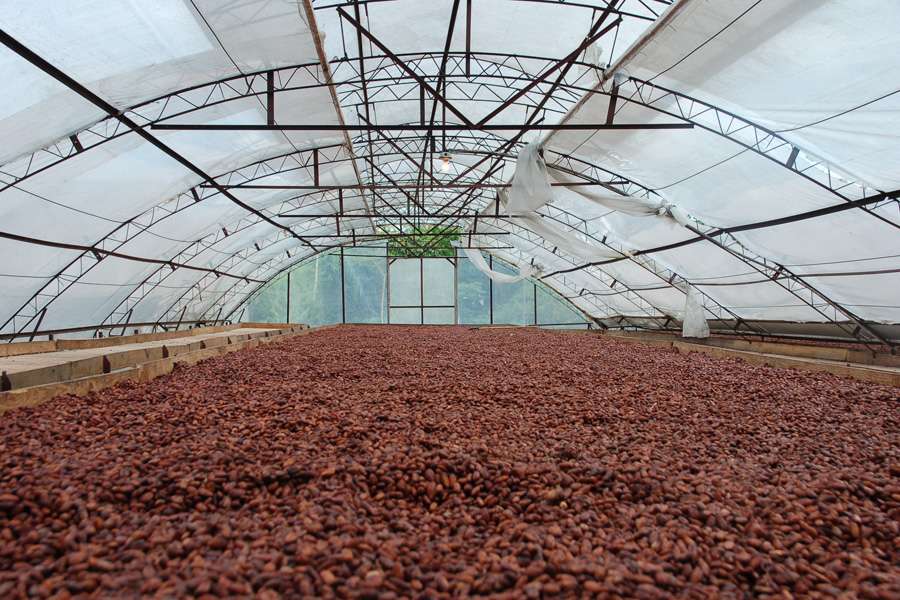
388,462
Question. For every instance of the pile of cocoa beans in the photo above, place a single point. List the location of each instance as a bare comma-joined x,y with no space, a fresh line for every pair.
390,462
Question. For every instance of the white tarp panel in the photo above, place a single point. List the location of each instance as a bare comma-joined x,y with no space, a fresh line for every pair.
795,103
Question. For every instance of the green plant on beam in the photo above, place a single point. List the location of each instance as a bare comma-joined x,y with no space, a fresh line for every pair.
427,241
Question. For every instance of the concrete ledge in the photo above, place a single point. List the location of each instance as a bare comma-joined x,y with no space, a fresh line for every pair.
19,348
778,356
145,371
875,374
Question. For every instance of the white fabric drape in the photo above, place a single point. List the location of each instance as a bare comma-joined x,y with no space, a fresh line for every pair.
530,187
566,242
630,205
694,323
479,263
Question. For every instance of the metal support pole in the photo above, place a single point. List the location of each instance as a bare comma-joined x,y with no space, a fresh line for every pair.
288,299
37,326
127,319
455,286
387,282
270,97
468,38
491,291
180,318
316,167
421,291
343,293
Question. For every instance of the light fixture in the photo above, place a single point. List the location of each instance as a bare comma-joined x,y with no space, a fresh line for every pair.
445,162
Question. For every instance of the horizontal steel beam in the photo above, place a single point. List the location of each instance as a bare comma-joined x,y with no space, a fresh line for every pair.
359,236
401,186
102,253
387,216
417,127
564,4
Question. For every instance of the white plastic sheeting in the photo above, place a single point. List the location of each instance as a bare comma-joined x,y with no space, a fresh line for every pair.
477,259
566,241
694,321
530,187
818,76
765,62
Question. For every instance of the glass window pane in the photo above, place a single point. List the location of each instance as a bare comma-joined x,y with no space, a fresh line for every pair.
365,279
405,290
406,316
513,302
316,291
438,316
270,306
552,309
438,273
473,294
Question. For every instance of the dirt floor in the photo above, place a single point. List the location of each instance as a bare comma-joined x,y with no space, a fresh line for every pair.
437,461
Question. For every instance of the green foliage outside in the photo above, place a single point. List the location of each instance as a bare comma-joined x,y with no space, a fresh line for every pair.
430,241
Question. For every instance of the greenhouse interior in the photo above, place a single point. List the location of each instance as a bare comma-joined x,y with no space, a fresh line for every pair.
449,298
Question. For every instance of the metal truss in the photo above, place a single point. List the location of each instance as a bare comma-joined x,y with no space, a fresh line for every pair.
754,137
240,294
629,9
35,307
388,78
606,281
508,69
285,164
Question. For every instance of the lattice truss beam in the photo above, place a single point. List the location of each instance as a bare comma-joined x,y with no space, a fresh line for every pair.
502,80
284,163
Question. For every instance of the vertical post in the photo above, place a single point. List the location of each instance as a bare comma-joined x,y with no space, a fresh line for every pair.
343,294
37,326
387,282
611,109
468,38
421,105
421,291
127,319
270,97
316,167
455,286
491,291
288,299
337,219
534,286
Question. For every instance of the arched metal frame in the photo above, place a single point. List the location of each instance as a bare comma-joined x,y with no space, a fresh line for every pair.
386,78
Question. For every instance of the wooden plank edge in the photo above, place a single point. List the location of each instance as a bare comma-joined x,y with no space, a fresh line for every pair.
35,395
884,376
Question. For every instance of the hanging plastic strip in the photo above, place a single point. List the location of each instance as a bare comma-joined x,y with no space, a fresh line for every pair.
530,187
477,260
694,324
565,241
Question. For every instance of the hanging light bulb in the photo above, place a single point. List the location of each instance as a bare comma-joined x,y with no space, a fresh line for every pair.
445,162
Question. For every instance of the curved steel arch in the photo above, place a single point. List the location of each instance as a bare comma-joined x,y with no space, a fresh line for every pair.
570,161
228,295
728,132
606,280
236,87
128,230
729,125
561,3
565,223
